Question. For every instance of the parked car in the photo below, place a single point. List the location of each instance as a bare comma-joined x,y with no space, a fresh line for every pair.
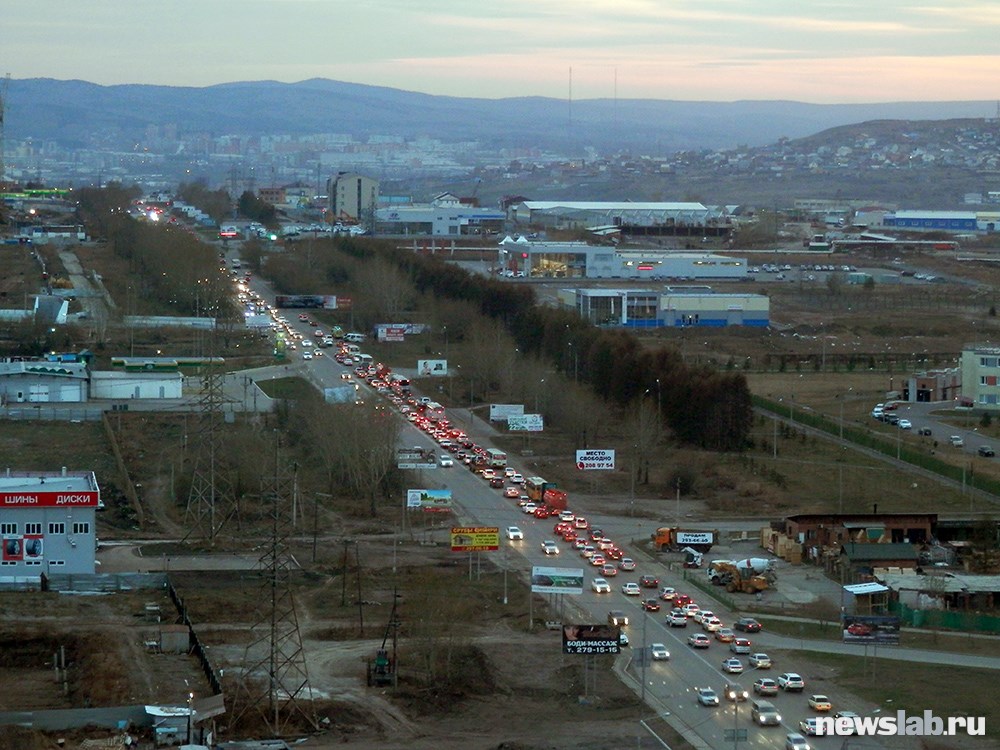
904,424
924,431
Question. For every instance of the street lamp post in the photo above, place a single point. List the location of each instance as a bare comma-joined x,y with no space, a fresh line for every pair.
190,740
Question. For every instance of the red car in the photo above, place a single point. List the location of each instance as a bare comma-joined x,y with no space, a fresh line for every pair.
569,535
542,512
614,553
681,599
562,527
651,605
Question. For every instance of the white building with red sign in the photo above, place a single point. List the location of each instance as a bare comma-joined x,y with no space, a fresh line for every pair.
47,522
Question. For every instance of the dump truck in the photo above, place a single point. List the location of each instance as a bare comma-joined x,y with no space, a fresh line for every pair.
749,575
674,539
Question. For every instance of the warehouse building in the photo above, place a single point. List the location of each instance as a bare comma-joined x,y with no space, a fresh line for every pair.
655,219
980,367
580,260
41,381
47,522
446,216
671,308
949,221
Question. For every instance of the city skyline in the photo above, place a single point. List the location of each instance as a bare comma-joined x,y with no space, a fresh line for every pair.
721,50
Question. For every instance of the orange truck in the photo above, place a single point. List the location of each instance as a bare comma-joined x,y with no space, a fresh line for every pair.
674,539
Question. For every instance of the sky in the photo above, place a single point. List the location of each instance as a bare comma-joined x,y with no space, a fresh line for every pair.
820,51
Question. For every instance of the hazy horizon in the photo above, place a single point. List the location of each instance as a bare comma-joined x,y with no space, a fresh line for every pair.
719,51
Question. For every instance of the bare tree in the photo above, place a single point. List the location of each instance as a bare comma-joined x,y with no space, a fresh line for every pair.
645,429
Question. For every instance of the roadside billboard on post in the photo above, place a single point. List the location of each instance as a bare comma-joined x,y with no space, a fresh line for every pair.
876,629
432,368
589,460
591,639
502,412
475,538
526,423
429,501
340,394
556,580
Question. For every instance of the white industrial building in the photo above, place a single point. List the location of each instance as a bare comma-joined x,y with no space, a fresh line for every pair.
445,216
128,385
632,218
47,522
40,381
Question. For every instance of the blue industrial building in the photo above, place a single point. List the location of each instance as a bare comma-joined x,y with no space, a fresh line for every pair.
948,221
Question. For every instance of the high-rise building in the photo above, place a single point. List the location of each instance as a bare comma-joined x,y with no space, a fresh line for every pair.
352,197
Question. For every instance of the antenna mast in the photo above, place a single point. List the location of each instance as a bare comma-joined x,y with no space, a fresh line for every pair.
3,103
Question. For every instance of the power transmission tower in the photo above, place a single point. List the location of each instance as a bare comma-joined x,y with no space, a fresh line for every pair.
274,681
212,500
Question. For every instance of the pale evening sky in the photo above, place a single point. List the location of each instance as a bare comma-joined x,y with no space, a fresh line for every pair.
822,51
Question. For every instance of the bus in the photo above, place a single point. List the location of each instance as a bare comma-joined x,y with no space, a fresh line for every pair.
432,410
535,487
496,459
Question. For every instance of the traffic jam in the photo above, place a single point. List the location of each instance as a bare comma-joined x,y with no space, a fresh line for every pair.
540,500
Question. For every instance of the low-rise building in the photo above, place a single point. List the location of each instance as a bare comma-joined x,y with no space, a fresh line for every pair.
47,522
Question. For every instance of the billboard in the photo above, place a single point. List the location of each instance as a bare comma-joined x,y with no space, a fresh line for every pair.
429,501
591,639
340,394
694,537
390,333
871,629
587,460
501,412
325,301
556,580
475,538
431,367
526,423
49,499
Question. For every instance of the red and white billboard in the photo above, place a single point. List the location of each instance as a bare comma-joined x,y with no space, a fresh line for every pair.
88,499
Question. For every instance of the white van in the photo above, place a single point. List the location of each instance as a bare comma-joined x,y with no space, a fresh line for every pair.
356,338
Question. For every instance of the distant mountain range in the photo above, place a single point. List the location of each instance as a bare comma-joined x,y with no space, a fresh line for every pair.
85,115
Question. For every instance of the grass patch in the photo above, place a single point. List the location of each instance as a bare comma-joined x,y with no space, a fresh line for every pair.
903,685
292,388
958,643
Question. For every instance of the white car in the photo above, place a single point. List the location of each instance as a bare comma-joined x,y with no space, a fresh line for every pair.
631,589
904,424
566,515
760,661
600,586
517,479
515,534
711,624
703,615
659,652
550,548
707,697
446,462
529,508
732,666
956,440
307,354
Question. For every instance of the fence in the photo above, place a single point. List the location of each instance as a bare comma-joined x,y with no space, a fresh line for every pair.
939,619
105,582
197,648
876,442
52,413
